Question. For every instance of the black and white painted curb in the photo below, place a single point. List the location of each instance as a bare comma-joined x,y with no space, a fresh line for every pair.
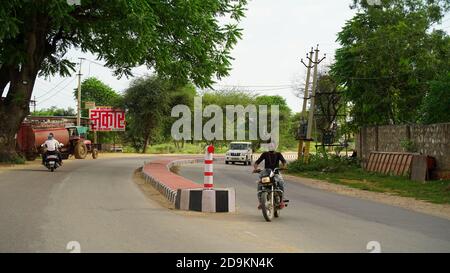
161,187
210,200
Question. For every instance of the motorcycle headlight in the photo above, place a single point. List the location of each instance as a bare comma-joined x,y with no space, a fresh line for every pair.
265,180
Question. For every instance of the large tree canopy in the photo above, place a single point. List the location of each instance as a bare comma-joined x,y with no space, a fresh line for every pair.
389,55
180,39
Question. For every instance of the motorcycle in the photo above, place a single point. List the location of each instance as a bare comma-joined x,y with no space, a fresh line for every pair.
270,195
52,161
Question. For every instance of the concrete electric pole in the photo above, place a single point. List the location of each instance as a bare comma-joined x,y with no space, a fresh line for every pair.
305,97
316,63
79,95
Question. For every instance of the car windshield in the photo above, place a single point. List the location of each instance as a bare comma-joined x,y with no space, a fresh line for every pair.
238,146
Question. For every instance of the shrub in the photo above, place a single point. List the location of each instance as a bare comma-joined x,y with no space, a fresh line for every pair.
13,160
323,162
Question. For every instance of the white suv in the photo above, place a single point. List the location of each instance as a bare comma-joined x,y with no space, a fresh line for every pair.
239,152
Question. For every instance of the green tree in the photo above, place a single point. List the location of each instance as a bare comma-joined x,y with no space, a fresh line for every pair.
180,39
222,98
183,95
287,139
389,55
329,106
147,102
93,89
436,104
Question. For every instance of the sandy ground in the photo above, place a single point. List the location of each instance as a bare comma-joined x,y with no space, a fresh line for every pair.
440,210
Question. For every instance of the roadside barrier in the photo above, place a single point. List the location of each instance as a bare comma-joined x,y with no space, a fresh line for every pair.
184,193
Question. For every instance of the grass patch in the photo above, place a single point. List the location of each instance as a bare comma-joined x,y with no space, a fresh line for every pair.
347,172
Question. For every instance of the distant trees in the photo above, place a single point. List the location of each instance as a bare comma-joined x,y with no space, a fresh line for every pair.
55,111
286,128
236,97
93,89
149,101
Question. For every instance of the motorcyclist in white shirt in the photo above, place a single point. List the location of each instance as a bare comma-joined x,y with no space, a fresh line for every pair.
52,146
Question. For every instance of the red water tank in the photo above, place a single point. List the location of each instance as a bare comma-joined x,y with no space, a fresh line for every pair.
29,139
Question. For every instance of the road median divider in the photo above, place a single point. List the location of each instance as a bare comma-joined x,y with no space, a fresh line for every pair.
184,193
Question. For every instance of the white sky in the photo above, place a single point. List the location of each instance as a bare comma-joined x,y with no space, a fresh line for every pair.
277,34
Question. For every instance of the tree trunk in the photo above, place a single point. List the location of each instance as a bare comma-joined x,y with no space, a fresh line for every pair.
21,78
147,138
11,117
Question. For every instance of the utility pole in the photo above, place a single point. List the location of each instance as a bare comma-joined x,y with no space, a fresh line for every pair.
79,95
316,63
33,103
305,97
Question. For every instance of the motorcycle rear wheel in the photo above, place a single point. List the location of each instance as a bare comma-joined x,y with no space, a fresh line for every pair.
266,206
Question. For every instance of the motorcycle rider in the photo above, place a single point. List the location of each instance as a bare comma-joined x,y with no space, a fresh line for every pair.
272,160
52,146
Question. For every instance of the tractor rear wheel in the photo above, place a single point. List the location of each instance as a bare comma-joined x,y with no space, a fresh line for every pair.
80,150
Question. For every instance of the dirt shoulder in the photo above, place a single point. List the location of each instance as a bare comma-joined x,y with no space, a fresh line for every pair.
439,210
149,191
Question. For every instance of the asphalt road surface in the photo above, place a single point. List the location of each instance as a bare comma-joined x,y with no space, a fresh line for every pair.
97,204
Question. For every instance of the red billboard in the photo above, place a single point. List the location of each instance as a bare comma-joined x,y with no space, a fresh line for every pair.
107,119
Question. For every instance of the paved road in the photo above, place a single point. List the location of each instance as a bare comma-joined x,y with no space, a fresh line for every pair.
97,204
318,221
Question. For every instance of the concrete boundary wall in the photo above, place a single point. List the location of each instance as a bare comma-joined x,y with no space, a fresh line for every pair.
429,140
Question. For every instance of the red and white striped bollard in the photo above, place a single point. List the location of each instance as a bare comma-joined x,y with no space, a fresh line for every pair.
208,182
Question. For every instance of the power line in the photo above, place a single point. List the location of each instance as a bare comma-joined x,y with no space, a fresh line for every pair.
57,92
276,89
54,87
257,90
